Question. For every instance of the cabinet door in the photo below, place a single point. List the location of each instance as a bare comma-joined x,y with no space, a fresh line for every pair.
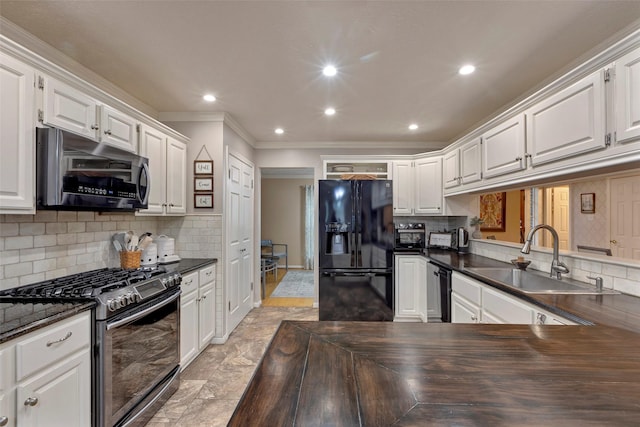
451,169
69,109
462,311
568,123
188,329
503,308
627,103
17,135
402,187
118,129
206,313
428,184
153,146
471,162
503,148
410,284
176,177
63,394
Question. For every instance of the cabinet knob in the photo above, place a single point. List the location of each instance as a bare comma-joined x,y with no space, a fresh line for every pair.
94,127
541,319
474,318
4,421
107,132
613,241
518,159
171,204
31,401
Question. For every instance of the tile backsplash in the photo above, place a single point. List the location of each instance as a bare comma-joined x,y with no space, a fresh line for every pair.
52,244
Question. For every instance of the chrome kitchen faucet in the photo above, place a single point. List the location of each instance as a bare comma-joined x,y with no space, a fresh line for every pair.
557,266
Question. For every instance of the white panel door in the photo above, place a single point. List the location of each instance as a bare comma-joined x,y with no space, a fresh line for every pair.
176,177
451,169
239,213
462,311
627,78
561,215
70,109
17,135
402,187
471,161
625,217
503,148
428,184
118,129
153,146
569,122
410,286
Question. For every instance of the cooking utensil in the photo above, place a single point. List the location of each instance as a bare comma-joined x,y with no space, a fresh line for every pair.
145,241
116,243
133,244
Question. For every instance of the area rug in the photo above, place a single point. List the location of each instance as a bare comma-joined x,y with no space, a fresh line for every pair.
296,283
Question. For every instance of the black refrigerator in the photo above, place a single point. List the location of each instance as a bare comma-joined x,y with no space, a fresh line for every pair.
356,250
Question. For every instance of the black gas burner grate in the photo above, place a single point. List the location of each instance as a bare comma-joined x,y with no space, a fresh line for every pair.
83,285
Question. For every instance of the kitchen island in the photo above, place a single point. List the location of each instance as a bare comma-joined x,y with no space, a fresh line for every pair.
380,374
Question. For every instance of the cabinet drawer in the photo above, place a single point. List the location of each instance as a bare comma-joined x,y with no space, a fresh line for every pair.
506,308
189,283
208,274
466,288
51,344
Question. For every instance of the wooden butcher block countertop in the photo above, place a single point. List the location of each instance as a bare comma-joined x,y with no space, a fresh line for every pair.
383,373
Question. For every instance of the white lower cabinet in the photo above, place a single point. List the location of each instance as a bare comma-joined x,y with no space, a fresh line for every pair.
474,302
410,288
46,376
197,313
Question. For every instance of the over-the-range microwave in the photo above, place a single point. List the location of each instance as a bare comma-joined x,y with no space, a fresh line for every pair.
76,173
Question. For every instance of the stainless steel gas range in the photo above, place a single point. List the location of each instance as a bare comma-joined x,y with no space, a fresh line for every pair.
136,337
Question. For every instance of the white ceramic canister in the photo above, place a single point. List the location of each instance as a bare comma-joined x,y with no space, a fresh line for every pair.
149,255
166,245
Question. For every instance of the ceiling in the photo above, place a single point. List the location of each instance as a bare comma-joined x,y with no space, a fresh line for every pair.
397,60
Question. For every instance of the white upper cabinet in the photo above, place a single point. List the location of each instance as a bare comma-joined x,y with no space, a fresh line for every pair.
627,102
17,136
568,123
403,187
417,186
168,170
118,129
67,108
463,165
503,148
428,185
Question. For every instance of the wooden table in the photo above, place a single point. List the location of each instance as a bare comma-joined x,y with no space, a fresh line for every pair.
383,373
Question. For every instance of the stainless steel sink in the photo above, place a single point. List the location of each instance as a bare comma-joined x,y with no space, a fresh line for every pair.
536,283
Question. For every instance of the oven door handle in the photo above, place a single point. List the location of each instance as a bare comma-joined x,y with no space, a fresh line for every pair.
142,313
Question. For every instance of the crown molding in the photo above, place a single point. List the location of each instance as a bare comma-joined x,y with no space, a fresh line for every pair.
362,145
215,117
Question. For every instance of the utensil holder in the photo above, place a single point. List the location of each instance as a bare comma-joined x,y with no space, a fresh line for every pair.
130,259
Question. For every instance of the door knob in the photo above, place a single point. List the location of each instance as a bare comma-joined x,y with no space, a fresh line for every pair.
613,241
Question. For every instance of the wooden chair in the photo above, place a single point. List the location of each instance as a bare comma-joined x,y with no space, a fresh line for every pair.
269,248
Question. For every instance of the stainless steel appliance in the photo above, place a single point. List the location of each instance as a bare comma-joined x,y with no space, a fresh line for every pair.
463,241
137,337
410,237
76,173
444,279
356,250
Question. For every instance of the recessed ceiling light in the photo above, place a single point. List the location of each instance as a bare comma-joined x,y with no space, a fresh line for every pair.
279,131
209,98
467,69
413,126
329,71
330,111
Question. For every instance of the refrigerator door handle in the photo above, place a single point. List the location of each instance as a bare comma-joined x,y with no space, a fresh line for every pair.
352,244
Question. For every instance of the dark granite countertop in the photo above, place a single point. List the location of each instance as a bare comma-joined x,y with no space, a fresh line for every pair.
187,265
19,318
618,310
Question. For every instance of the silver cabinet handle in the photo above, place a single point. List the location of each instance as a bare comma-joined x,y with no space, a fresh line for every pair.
50,343
31,401
4,421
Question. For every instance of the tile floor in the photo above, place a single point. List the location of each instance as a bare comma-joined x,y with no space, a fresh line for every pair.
212,385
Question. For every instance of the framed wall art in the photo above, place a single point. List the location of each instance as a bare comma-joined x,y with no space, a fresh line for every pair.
588,203
203,167
201,184
203,200
493,211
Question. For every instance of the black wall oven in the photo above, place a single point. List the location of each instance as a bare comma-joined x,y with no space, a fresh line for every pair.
138,365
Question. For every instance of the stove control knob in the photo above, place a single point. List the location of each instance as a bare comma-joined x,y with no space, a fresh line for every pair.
170,281
112,305
176,279
132,297
164,281
122,301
